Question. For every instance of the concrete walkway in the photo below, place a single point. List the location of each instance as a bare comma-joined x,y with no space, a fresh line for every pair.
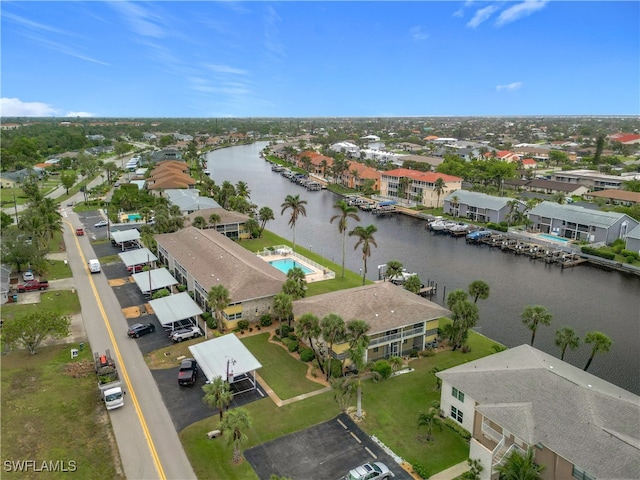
451,472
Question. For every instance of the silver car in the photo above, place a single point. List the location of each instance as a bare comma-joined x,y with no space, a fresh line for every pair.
370,471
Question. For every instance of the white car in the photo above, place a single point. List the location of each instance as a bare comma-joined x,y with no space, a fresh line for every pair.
101,223
370,471
185,334
28,276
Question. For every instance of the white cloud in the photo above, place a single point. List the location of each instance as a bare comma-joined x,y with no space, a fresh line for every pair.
417,34
481,16
80,114
14,107
510,87
142,21
519,11
227,69
459,13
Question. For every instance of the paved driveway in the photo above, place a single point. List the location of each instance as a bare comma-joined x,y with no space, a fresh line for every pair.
323,452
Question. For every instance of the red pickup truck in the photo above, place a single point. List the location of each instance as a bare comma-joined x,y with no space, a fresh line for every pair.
33,285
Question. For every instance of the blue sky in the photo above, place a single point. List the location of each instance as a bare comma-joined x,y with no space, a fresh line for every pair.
308,59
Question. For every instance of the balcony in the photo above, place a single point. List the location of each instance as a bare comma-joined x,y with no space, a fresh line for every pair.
394,337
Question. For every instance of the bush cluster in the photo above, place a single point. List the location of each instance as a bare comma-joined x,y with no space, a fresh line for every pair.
265,320
598,253
383,368
457,428
307,355
496,226
243,324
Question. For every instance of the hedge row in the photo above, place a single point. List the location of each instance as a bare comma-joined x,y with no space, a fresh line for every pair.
598,253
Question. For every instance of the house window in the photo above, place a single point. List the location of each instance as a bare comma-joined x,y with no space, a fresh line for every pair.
580,474
457,393
456,414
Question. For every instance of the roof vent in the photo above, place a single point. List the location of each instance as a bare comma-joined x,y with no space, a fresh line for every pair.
392,311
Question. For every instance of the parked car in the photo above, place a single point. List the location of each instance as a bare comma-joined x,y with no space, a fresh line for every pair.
135,268
101,223
188,372
79,232
185,334
28,276
32,285
138,329
370,471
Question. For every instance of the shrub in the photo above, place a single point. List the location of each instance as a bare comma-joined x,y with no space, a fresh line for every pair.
495,226
629,253
285,330
598,253
293,345
630,258
420,470
413,353
163,292
307,355
336,367
383,368
243,324
265,320
212,323
457,428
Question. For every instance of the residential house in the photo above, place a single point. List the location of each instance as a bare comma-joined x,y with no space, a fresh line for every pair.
504,155
432,161
633,240
591,179
579,223
7,181
348,148
400,321
358,174
189,200
416,187
315,163
549,187
201,259
167,154
624,138
614,197
169,174
480,207
578,425
11,179
538,153
231,224
5,283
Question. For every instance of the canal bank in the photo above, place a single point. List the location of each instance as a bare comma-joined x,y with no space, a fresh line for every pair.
584,298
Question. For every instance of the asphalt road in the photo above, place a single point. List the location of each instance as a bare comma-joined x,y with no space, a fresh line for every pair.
147,440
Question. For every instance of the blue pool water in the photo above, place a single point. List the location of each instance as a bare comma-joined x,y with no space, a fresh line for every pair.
553,238
286,264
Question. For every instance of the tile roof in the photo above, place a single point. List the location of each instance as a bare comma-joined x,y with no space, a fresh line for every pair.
212,259
541,399
421,176
384,306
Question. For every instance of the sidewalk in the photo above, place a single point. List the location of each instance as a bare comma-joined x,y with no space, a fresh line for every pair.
451,472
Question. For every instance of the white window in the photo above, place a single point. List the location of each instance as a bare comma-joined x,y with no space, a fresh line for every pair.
458,394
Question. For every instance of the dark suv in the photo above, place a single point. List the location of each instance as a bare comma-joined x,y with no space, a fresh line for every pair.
188,372
138,329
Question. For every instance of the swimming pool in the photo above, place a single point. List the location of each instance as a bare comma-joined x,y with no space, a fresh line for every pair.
553,238
286,264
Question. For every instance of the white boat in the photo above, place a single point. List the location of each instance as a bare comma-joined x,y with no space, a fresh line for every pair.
207,172
437,225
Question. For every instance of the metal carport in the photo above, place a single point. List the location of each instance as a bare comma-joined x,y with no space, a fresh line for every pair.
154,280
226,357
140,256
175,311
121,237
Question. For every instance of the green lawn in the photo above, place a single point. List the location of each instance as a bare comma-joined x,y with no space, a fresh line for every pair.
56,269
48,415
391,409
63,302
283,373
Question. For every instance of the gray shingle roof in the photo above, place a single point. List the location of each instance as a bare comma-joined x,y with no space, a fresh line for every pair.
226,216
577,214
477,199
212,258
384,306
586,420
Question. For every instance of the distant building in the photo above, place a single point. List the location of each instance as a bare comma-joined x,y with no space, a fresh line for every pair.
479,207
415,187
591,179
615,197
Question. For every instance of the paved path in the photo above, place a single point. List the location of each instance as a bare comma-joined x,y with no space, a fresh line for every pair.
451,472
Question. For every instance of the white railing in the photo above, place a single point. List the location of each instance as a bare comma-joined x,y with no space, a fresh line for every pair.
397,336
491,433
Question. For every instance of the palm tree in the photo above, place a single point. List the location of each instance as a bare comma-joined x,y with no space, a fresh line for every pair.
404,187
455,202
323,166
394,269
519,467
566,337
265,214
479,289
396,363
282,307
601,343
357,356
214,219
438,188
308,328
333,330
533,315
430,419
218,299
413,284
356,331
234,427
456,296
217,394
346,211
465,316
297,208
199,222
242,189
366,239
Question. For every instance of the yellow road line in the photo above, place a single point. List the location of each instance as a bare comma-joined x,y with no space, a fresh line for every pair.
123,370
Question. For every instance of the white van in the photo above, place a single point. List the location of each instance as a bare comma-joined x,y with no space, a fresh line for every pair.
94,265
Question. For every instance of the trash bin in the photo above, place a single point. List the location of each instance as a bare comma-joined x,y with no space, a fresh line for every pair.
81,346
15,298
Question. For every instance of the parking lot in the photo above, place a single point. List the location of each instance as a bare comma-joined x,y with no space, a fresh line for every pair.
323,452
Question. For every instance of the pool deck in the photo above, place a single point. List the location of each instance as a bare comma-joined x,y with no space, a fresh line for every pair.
317,276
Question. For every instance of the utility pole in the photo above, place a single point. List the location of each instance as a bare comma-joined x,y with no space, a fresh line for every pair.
15,206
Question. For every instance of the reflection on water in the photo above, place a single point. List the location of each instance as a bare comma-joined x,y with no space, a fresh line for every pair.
583,297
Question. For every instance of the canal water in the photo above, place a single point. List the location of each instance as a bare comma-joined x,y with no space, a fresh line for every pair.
584,297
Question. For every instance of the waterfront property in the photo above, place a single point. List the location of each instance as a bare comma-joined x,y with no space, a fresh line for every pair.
189,200
231,224
578,425
201,259
400,321
633,240
579,223
591,179
416,187
479,207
